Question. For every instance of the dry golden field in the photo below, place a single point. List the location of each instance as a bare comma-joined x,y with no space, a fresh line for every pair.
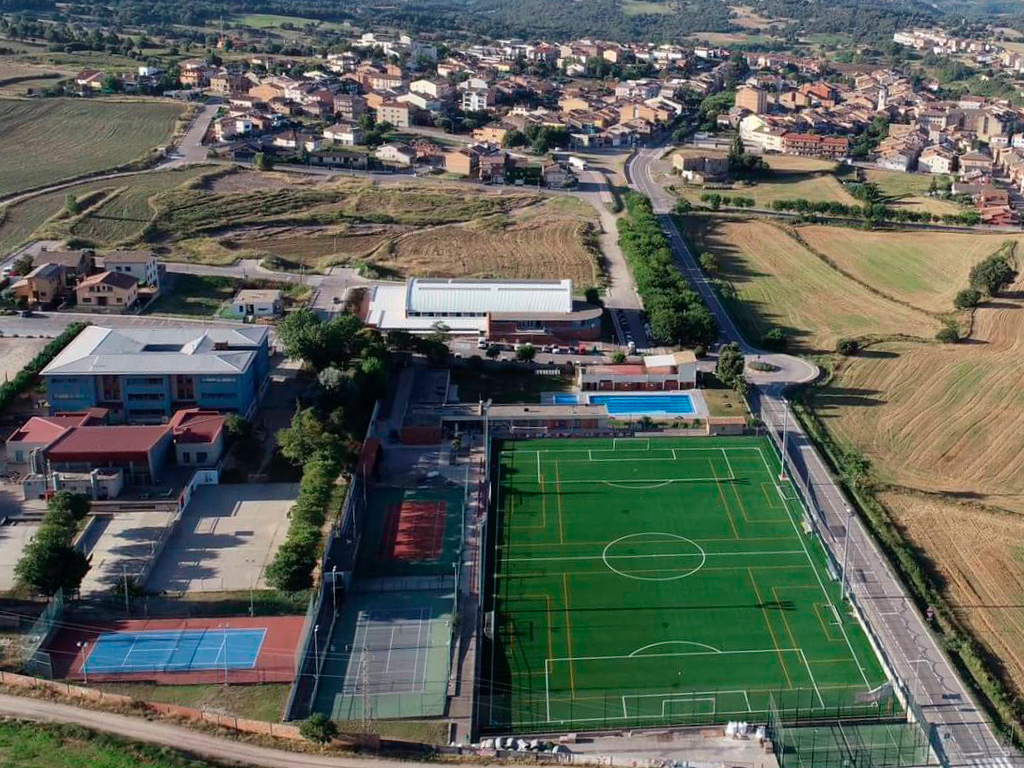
943,426
546,241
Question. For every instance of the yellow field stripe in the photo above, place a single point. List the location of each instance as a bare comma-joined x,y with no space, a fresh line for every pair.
785,621
547,619
771,631
568,635
718,484
558,493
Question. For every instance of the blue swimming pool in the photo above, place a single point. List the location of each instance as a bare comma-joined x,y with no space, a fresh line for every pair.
676,405
559,399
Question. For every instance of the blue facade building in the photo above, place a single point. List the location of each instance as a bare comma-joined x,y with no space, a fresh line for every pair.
143,375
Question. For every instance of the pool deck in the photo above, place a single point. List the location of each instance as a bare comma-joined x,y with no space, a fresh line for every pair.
700,407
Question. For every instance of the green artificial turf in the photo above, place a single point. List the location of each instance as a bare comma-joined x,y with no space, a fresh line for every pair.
645,582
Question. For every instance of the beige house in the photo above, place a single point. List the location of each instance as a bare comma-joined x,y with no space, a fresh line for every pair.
40,287
396,113
257,303
142,265
107,292
396,154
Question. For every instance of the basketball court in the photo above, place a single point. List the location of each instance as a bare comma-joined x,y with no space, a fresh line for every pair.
669,581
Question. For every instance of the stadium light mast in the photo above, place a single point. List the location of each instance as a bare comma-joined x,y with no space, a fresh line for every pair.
785,439
846,547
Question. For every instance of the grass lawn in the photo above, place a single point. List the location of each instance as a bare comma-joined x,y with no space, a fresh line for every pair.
270,20
721,400
925,269
780,283
200,295
505,384
127,210
48,140
257,702
897,184
663,581
638,7
32,745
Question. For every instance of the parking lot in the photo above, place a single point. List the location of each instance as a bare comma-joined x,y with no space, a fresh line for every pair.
226,538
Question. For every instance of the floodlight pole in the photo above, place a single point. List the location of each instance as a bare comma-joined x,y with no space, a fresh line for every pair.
124,575
785,439
334,588
84,645
846,548
316,656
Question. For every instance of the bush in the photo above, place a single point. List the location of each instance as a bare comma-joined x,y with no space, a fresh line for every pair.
968,298
318,728
948,335
526,353
847,347
992,274
619,356
775,340
708,262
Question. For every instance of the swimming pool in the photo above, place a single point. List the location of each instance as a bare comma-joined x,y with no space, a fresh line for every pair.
560,399
676,405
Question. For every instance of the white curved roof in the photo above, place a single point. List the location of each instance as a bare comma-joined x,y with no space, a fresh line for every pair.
448,296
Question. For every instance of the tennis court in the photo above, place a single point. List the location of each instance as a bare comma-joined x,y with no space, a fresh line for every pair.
180,651
412,531
647,582
390,652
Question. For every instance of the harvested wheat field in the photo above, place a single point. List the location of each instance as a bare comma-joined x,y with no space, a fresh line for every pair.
925,269
311,246
780,283
980,556
940,417
545,241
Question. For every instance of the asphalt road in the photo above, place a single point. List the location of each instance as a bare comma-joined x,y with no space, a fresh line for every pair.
911,652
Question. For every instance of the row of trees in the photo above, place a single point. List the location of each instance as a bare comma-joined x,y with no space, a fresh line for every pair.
677,314
351,361
875,211
716,200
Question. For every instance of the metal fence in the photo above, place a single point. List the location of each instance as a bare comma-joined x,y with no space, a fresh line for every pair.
38,662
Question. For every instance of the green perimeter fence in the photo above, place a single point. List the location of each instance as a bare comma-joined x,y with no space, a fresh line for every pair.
37,661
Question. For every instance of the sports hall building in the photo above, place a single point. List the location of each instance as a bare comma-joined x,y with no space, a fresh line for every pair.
537,311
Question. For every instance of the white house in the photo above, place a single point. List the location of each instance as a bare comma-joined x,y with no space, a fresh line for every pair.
257,303
345,134
398,154
936,160
477,99
142,265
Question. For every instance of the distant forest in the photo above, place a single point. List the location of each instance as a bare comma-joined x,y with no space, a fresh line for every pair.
865,20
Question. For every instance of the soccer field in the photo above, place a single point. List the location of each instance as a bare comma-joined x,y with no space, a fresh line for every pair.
645,582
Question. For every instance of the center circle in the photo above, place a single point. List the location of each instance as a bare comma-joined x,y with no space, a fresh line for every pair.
641,550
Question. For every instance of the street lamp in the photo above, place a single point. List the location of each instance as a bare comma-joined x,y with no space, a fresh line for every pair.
846,547
785,438
84,644
334,588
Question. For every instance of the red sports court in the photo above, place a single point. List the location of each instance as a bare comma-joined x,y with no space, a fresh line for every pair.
272,658
414,530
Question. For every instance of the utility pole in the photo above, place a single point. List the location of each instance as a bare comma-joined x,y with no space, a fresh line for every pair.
334,588
124,575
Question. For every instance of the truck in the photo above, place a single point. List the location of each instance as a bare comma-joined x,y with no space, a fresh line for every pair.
577,163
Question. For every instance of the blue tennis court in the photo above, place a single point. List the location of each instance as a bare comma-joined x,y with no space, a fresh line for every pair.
175,651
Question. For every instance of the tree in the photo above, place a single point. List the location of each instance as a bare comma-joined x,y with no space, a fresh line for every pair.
618,357
847,347
592,295
493,351
263,162
514,138
71,205
23,264
304,438
729,368
775,340
948,335
318,728
291,570
708,262
683,206
992,274
526,353
76,505
968,298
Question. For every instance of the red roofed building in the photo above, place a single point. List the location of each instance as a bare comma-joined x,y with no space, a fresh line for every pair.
198,437
39,431
141,452
673,371
814,145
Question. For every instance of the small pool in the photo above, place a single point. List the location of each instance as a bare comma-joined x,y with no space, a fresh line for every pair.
676,405
560,399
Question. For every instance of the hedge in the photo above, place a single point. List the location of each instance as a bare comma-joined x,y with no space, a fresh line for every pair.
292,567
27,375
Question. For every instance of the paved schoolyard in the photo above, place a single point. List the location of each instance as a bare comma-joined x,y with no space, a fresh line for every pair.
121,544
13,539
227,536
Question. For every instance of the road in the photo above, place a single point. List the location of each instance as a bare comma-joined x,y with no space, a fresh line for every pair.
176,737
911,652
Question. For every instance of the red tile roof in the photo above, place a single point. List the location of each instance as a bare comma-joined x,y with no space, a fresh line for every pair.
196,426
46,429
106,442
